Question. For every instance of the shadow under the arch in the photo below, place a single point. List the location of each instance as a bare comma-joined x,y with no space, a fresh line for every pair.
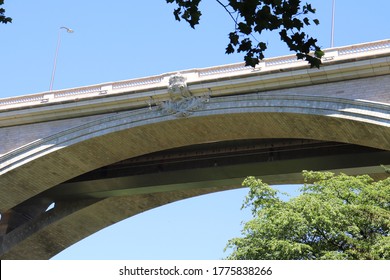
104,196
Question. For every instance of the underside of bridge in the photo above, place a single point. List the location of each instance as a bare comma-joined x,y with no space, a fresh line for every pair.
99,198
277,161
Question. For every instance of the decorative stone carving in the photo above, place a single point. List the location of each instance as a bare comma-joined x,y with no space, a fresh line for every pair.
177,87
182,103
183,107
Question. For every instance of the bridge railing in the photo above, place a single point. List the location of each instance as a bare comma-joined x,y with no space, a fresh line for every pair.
192,75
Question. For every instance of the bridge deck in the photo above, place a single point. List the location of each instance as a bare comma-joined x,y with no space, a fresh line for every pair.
270,74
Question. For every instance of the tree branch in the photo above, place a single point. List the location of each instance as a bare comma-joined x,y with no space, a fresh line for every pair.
226,9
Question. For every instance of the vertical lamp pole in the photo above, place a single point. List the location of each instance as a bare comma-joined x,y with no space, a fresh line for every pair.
56,54
332,31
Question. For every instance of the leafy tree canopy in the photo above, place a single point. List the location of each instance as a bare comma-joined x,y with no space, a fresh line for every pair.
335,217
3,18
253,17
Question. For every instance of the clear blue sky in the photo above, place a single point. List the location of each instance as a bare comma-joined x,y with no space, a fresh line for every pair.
118,40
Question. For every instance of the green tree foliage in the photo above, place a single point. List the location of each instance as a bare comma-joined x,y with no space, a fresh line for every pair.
334,217
3,18
252,17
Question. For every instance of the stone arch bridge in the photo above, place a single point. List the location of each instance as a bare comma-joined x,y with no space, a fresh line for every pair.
105,152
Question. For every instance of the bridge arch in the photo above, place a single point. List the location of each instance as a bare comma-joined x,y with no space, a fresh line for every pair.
65,155
256,116
77,150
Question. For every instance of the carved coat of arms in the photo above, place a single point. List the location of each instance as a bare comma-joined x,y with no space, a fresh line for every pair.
182,103
177,87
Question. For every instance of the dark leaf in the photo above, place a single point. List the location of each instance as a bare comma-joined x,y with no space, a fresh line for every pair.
319,53
244,28
229,49
250,60
253,17
233,36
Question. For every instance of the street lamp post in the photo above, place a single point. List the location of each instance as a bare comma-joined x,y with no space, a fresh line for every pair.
332,28
56,54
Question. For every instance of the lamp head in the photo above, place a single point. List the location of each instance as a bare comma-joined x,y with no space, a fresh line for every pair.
69,30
